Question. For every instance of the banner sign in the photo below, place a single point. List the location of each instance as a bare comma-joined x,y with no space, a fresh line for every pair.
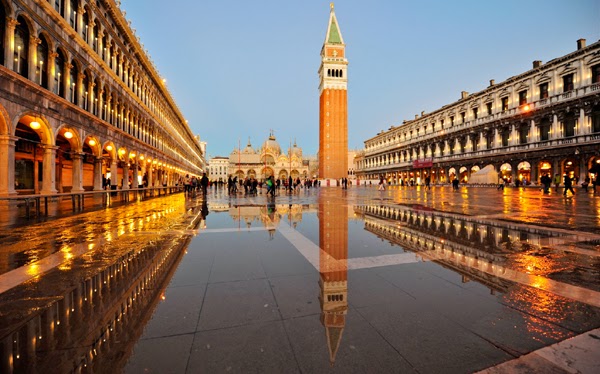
424,163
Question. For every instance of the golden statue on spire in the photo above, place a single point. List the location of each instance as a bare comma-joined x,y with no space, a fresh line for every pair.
331,5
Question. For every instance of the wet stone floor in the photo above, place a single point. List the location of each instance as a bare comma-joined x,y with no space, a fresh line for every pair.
321,280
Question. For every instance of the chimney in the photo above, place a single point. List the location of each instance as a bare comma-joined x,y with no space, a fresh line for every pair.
580,44
416,116
492,82
422,113
464,94
537,64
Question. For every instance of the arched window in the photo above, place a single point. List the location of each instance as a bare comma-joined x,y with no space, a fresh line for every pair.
41,68
341,74
84,28
59,74
96,98
21,48
59,6
73,87
104,47
85,84
95,41
2,32
104,108
73,14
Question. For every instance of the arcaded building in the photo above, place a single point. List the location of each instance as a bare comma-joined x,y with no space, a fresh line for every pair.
81,103
268,160
543,121
333,104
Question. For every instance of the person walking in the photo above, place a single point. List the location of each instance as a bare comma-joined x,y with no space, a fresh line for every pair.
546,182
204,183
455,184
568,185
556,182
428,182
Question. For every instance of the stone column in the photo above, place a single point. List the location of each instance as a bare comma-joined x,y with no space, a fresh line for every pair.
32,59
582,127
534,171
49,170
77,172
98,174
125,181
91,33
79,20
79,89
150,177
134,178
52,72
7,165
9,43
114,175
555,133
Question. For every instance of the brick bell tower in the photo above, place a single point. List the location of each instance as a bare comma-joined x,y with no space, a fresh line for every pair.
333,104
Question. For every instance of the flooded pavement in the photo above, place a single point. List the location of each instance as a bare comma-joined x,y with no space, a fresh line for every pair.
328,280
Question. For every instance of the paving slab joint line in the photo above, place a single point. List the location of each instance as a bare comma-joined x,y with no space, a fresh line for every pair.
578,354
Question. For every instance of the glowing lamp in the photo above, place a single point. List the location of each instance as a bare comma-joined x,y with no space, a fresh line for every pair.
121,151
526,108
35,124
92,142
109,147
68,134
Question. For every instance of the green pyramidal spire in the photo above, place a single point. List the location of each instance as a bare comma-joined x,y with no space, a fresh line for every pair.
333,32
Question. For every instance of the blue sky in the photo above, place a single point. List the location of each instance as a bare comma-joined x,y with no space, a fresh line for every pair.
240,68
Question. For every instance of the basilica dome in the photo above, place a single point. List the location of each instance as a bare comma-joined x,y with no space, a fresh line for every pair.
271,146
248,150
295,151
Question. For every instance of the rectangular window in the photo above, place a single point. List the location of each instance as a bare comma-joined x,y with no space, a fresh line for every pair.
489,108
505,135
568,83
523,97
543,91
442,123
462,117
475,113
523,132
596,74
569,125
504,104
451,120
545,130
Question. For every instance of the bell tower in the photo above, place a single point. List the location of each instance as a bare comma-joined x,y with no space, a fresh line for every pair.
333,104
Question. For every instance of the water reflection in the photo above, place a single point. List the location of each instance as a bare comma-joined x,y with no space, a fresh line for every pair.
95,324
333,271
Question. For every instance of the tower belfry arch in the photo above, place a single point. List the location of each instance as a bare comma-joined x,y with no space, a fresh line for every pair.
333,104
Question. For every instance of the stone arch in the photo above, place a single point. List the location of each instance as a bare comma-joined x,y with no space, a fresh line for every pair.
110,149
44,132
74,140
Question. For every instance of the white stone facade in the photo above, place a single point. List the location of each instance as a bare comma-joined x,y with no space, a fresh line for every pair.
543,121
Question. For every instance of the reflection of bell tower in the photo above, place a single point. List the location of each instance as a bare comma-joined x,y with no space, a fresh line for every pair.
333,260
333,104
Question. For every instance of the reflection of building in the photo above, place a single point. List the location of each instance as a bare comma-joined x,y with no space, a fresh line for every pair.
81,98
333,270
545,120
96,323
218,168
476,248
268,160
333,104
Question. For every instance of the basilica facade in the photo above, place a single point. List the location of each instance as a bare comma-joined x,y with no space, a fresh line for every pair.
543,121
268,160
82,104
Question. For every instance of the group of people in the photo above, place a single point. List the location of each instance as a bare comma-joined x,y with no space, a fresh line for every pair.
251,185
191,184
546,181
